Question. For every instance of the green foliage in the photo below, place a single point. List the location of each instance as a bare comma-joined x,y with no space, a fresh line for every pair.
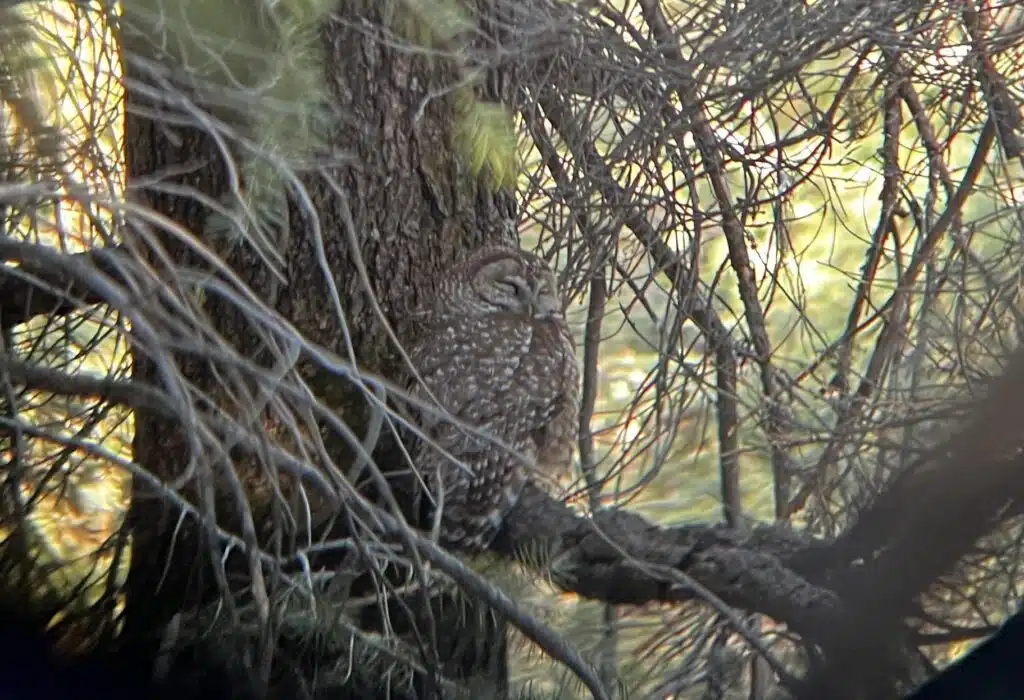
485,133
270,56
486,138
433,23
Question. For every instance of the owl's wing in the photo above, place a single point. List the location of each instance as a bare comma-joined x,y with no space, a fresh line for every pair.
473,368
554,400
476,494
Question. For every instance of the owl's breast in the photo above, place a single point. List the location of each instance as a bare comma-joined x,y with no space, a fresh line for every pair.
555,397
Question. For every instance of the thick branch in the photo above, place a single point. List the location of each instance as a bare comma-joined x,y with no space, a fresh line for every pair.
910,537
617,557
920,528
47,281
620,557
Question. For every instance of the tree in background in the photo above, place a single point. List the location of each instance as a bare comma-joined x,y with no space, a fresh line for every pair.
790,237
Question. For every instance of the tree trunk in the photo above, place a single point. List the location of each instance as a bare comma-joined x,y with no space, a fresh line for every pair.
415,210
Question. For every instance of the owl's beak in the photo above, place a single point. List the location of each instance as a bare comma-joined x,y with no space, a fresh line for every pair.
546,311
544,306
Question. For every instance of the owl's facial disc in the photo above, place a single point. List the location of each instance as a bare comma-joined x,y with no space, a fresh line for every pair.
535,297
546,304
506,286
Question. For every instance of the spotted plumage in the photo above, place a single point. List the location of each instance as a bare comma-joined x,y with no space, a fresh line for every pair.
496,354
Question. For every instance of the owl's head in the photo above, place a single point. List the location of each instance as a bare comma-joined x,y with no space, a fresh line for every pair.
502,280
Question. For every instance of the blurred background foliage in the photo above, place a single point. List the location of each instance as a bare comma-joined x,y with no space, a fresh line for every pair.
807,154
63,122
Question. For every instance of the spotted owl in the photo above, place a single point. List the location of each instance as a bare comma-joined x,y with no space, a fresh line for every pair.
495,353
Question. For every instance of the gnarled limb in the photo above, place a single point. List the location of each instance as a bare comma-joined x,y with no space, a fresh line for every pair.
835,595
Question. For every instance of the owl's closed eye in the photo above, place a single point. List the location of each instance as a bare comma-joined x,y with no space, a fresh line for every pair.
498,354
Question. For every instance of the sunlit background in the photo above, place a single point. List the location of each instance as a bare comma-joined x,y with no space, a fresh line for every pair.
654,427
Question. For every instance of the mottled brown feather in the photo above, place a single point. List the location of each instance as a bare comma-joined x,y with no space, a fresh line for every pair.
490,360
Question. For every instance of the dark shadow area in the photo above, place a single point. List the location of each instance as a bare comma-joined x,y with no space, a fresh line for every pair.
31,666
994,670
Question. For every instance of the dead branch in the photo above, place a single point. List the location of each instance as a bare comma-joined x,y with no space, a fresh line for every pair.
39,286
835,595
918,529
688,92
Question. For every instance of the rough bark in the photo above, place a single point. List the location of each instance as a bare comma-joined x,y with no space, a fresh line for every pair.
391,197
414,210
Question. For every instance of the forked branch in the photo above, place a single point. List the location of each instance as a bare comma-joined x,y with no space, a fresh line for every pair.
832,594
